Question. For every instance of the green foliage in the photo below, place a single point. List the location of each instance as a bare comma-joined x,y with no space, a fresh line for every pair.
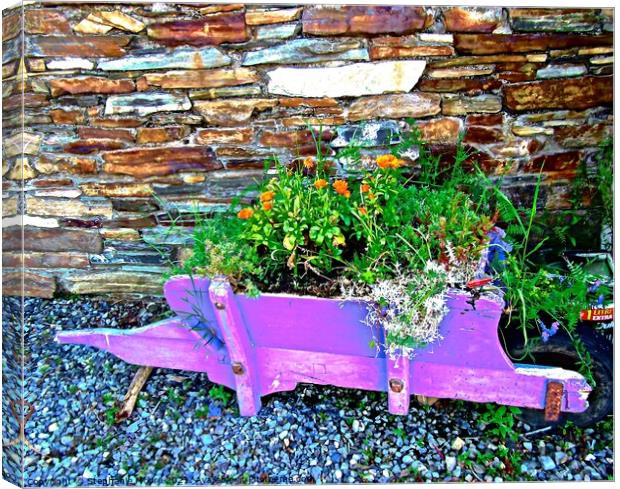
597,183
110,415
536,293
108,399
500,420
399,433
173,397
218,250
219,393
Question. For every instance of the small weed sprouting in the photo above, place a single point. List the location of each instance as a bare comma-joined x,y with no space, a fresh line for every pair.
500,421
219,393
112,410
399,433
110,415
108,399
173,398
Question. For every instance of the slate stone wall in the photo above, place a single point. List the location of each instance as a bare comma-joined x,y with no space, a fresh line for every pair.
125,100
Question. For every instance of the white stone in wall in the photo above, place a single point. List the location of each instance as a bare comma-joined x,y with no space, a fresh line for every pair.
35,221
346,81
70,64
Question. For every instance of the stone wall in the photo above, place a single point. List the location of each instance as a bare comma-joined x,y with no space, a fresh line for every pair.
125,101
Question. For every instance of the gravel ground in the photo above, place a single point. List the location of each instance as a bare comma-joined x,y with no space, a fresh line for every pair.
184,431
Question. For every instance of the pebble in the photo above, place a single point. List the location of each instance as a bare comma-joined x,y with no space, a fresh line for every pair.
560,458
547,462
450,463
457,444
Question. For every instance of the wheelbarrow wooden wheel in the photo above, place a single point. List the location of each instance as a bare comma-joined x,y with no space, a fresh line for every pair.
559,352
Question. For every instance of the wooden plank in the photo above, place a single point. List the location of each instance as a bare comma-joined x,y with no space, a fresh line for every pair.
241,348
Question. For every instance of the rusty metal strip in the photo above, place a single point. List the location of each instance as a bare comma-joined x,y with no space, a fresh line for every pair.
553,401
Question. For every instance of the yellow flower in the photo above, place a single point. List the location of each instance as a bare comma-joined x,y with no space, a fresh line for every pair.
309,163
342,187
245,213
320,183
389,161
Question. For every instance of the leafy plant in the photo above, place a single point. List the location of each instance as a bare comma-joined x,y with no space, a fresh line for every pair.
219,393
537,297
500,420
595,183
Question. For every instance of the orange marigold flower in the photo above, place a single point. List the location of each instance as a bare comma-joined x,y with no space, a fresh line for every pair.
364,187
245,213
347,194
320,183
267,196
362,210
341,187
388,161
309,163
371,195
268,205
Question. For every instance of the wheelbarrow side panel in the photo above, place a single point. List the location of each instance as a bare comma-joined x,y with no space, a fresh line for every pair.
283,321
469,363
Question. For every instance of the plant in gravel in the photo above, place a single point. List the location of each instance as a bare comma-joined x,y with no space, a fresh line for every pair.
110,415
500,420
464,459
108,399
43,369
103,443
173,397
399,433
219,393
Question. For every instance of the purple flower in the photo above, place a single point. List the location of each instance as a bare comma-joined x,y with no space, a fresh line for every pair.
497,248
548,332
594,286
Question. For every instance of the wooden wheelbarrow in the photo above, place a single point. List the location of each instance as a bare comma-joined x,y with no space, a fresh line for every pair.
258,346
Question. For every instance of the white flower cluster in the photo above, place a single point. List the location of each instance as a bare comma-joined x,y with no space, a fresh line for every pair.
411,305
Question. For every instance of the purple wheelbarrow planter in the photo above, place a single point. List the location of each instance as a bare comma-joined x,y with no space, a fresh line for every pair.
258,346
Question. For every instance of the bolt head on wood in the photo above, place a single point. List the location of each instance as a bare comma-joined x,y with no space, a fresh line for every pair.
237,368
396,385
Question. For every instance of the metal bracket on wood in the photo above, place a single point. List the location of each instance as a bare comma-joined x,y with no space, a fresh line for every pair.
553,400
398,384
239,346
